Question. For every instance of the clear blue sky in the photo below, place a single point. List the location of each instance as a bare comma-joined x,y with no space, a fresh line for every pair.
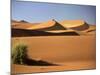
39,12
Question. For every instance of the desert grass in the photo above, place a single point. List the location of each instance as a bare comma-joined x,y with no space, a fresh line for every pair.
19,53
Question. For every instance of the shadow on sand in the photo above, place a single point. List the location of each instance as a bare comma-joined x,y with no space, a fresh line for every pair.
31,62
27,33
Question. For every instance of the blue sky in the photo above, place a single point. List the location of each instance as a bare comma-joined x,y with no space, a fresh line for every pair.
39,12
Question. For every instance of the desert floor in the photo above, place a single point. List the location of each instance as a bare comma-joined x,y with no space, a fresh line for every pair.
70,52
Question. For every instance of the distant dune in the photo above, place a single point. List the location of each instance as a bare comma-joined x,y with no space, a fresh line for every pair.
21,24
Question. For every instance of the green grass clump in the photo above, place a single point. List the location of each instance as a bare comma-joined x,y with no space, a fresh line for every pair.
19,54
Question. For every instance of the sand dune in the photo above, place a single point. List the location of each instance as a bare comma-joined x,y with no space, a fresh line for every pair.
91,28
49,28
49,25
68,27
52,25
90,31
21,24
75,24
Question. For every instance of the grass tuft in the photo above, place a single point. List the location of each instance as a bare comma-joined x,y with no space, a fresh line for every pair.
19,54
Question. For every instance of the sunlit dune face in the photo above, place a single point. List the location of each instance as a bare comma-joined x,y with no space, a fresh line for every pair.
43,25
72,23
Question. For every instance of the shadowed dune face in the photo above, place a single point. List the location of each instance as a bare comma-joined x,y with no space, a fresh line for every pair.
27,33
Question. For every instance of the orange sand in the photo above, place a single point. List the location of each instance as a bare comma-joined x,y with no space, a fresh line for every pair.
70,52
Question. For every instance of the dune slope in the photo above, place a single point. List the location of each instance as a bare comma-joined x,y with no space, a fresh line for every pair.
75,24
47,26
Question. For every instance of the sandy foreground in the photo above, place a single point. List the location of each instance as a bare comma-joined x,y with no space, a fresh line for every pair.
70,52
68,66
